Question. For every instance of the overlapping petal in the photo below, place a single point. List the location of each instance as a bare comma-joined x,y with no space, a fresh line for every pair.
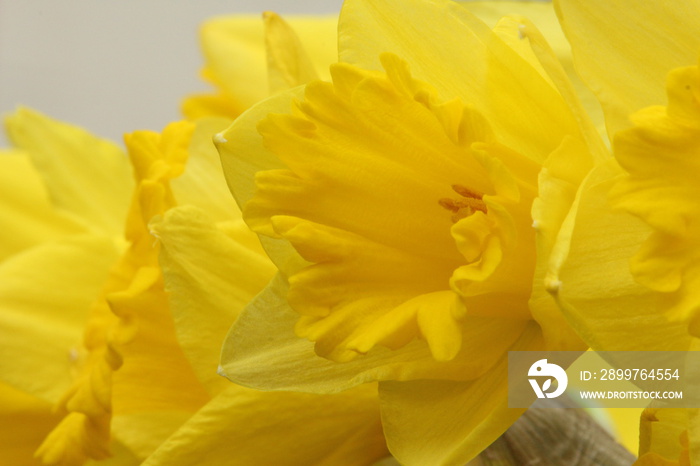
242,53
210,276
27,216
308,429
57,150
624,50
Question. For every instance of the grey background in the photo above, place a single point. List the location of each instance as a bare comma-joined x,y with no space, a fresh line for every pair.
112,66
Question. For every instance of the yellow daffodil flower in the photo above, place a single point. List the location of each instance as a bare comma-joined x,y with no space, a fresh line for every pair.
397,202
627,264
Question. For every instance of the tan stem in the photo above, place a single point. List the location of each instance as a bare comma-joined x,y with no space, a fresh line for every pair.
555,437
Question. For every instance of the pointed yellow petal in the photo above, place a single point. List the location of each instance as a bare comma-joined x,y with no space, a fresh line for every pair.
542,15
236,59
73,162
460,56
288,65
27,216
41,330
624,51
203,184
245,427
234,50
524,36
453,421
243,155
209,277
242,138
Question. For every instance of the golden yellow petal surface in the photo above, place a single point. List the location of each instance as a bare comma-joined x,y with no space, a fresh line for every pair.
28,216
624,50
203,184
40,331
73,162
25,422
210,276
280,428
249,56
664,438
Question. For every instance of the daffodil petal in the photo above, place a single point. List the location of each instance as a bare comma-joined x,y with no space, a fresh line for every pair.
202,184
74,162
559,182
589,275
460,56
234,48
543,16
27,216
121,456
41,330
625,426
524,36
623,52
454,421
198,106
288,64
660,431
242,138
262,351
243,155
319,37
209,277
25,422
143,432
156,375
279,428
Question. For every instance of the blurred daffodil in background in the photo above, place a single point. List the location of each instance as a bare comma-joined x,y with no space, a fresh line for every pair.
145,368
127,348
